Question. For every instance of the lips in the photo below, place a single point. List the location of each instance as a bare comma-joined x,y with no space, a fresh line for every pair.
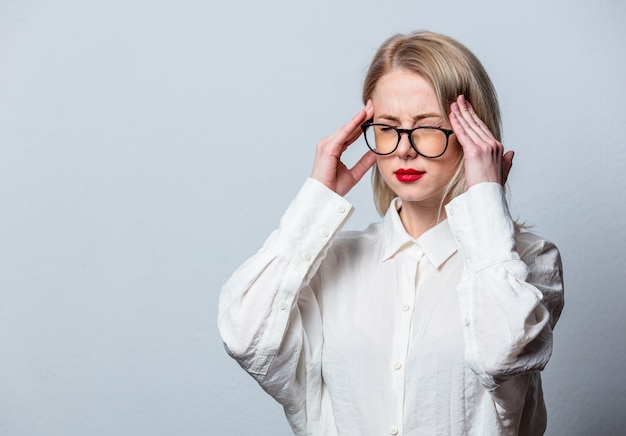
408,175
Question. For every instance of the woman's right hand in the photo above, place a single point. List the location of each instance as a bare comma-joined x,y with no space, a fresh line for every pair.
328,167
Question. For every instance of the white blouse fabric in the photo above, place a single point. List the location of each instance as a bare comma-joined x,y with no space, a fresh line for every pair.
375,332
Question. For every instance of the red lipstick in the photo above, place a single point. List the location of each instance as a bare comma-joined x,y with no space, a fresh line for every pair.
408,175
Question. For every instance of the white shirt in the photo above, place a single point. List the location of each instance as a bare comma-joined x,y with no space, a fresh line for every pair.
375,332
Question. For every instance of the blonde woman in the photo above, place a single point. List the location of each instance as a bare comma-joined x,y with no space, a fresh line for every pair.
435,321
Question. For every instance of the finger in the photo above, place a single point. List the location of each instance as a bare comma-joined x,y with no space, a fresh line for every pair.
468,124
363,165
348,142
472,139
477,123
348,134
507,164
466,135
354,125
357,132
355,135
475,128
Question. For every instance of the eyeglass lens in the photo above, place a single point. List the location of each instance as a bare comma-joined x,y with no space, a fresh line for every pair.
383,139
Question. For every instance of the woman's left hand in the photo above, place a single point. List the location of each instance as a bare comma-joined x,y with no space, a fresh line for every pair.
484,158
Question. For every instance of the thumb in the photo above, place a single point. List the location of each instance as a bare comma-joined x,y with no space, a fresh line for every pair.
507,163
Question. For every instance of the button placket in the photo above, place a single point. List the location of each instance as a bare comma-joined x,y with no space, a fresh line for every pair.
407,290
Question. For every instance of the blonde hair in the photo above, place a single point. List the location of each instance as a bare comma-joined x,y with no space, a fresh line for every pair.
452,70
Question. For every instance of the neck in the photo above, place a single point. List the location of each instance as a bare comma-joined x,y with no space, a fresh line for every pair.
417,219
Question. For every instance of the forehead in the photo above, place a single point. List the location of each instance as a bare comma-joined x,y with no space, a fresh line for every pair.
401,91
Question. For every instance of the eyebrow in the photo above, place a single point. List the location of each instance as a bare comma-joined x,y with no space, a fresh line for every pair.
415,118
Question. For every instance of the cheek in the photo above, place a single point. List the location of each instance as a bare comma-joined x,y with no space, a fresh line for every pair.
454,147
453,155
382,167
446,166
382,164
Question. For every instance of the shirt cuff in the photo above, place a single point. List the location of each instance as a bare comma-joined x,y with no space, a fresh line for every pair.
482,226
310,223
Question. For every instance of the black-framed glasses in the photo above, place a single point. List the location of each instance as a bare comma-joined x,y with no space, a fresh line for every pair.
384,139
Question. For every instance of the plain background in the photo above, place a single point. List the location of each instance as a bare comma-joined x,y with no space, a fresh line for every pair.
148,147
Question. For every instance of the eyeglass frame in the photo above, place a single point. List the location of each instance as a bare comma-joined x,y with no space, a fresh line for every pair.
409,132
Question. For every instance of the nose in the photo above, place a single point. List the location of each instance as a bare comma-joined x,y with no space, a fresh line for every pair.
405,150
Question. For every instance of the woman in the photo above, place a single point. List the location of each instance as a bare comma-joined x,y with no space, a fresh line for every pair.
437,320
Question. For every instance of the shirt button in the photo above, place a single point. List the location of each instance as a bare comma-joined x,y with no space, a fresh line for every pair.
324,233
405,308
306,255
393,429
397,365
282,305
467,323
341,208
458,237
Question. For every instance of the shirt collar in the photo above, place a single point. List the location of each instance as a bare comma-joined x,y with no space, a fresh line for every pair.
438,243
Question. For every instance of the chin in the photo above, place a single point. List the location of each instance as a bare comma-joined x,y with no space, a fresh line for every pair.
416,194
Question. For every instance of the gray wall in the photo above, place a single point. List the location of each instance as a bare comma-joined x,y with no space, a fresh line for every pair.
148,147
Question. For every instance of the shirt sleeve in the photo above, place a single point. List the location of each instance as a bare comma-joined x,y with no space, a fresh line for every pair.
268,315
511,291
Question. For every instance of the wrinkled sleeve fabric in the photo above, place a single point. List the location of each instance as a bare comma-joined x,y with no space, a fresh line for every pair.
510,294
268,315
